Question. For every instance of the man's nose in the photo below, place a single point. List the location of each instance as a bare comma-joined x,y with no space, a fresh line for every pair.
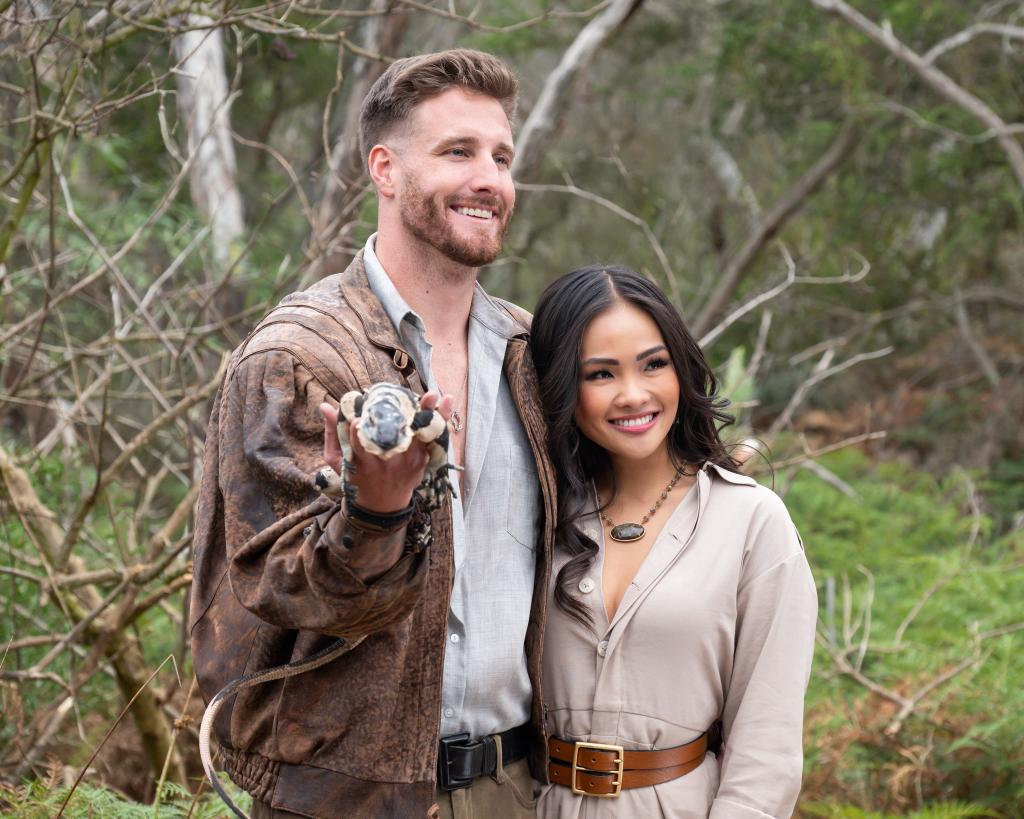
486,175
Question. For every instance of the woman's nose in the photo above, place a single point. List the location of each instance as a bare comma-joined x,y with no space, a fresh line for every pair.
632,392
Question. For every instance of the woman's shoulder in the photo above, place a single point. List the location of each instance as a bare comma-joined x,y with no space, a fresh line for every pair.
756,516
743,493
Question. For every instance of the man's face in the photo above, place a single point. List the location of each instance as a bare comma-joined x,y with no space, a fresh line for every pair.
455,190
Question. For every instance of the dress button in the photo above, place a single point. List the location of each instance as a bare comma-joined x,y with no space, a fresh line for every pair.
449,712
455,638
602,648
586,585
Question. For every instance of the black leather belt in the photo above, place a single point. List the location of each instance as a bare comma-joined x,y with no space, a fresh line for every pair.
460,759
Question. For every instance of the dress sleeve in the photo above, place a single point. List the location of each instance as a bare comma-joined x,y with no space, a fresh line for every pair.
777,609
290,551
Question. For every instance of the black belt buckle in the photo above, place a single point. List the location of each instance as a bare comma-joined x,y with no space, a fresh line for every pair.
451,747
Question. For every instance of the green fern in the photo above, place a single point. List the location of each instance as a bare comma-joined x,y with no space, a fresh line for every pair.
946,810
37,801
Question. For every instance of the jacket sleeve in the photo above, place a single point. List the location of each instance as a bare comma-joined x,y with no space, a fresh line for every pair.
290,551
763,716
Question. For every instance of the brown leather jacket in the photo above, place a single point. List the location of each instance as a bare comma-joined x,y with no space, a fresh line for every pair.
359,736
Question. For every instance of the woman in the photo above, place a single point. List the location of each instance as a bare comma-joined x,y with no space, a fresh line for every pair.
682,597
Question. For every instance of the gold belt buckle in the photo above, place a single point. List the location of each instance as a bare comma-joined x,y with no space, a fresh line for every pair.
620,761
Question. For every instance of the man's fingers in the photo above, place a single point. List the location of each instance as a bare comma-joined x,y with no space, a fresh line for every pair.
445,407
428,400
332,446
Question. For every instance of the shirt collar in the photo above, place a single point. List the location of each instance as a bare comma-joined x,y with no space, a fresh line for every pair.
396,308
484,309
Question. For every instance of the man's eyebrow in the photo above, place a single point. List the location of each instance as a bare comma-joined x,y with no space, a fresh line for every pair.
450,142
651,351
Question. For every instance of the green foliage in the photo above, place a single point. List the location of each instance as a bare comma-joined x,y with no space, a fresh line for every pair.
38,800
904,543
949,810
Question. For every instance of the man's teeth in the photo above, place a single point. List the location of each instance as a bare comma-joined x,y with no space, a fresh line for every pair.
479,213
634,422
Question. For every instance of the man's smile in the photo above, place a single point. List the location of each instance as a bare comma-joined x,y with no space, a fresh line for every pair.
476,213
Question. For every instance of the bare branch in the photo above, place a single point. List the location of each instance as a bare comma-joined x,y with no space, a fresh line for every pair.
772,222
802,391
553,102
934,78
961,38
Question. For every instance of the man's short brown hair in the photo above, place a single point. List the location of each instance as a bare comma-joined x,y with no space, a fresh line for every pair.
410,81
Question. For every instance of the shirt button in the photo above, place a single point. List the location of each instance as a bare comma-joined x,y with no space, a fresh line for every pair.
586,585
455,638
602,648
449,712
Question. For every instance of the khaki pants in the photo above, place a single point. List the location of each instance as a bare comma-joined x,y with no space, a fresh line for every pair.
506,795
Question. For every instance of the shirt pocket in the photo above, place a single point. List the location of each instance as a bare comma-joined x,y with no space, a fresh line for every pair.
523,506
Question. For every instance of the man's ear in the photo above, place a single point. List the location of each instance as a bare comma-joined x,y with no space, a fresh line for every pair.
381,166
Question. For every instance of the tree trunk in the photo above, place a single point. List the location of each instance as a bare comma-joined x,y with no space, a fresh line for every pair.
549,110
204,108
346,177
123,652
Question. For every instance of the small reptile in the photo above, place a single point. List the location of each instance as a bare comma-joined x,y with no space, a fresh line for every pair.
391,418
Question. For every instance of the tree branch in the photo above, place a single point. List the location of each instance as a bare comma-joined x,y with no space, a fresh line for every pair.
772,221
936,79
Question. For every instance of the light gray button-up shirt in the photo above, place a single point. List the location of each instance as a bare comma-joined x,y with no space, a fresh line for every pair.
495,521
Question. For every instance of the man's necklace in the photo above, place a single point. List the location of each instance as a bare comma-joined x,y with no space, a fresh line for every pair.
627,532
457,422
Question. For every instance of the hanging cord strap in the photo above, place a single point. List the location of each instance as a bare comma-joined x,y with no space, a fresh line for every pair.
322,657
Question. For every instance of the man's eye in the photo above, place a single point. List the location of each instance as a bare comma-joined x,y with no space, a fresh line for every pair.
458,152
503,160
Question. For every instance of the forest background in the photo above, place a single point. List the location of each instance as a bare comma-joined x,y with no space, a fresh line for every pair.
831,194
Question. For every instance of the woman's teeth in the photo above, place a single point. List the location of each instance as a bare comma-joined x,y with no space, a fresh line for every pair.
634,422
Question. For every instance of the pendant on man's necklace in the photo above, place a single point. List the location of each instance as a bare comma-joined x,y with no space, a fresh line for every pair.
627,532
456,423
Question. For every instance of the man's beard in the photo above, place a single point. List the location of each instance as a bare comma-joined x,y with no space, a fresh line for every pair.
422,217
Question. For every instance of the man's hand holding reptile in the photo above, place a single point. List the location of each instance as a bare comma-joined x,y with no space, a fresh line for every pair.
384,486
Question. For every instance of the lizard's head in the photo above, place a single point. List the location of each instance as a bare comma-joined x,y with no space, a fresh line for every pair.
386,418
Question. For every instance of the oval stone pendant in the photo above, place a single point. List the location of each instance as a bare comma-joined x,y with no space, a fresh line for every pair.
626,532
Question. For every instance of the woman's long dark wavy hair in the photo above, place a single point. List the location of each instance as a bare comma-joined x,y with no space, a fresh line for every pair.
563,314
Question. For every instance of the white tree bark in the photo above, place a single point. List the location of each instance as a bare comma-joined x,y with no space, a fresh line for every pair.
552,103
346,176
204,107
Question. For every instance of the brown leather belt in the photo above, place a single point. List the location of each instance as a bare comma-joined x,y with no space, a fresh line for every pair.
593,769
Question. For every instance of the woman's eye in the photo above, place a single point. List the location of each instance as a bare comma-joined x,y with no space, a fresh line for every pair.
657,363
597,375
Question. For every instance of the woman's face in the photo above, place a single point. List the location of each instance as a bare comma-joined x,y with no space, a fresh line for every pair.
629,392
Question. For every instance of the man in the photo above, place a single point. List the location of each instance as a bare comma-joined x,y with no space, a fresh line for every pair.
436,707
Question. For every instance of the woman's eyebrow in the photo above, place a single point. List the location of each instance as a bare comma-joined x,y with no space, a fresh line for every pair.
611,361
652,351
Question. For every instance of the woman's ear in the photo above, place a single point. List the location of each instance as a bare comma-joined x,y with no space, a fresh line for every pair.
381,166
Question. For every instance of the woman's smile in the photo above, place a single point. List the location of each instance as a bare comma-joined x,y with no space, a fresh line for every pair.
635,424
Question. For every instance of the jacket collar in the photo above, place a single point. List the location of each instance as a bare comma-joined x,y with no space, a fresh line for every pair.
355,289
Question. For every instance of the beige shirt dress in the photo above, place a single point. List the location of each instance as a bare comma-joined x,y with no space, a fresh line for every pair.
719,622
